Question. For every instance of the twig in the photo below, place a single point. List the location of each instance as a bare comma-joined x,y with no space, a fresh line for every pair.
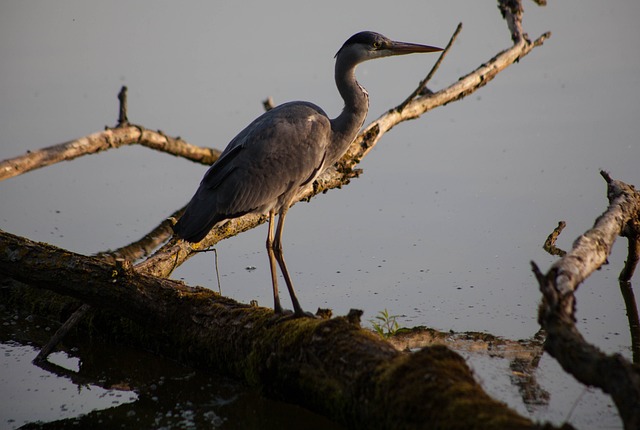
632,233
123,121
217,271
215,253
632,316
61,333
268,104
123,134
421,87
512,12
122,268
550,243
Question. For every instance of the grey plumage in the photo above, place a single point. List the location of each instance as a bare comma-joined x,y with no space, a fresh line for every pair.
254,176
264,167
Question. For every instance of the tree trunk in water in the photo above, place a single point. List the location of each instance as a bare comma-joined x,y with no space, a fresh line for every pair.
331,366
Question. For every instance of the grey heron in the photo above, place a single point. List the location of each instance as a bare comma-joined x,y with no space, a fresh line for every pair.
265,166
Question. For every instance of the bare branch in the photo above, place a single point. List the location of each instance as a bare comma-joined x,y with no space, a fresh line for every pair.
423,84
632,233
612,373
122,117
144,246
512,12
590,251
61,333
550,243
102,141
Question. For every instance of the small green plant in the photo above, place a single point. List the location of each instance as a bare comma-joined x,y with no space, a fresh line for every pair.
386,325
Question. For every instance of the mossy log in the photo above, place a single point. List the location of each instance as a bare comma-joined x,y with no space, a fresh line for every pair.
331,366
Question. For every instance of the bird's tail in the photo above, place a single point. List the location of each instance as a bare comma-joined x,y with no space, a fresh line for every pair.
196,222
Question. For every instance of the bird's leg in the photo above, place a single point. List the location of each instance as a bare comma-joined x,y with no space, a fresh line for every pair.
272,263
277,248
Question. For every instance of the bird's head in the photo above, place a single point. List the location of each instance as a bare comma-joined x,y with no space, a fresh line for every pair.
368,45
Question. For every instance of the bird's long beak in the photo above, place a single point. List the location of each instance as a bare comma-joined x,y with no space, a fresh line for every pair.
401,48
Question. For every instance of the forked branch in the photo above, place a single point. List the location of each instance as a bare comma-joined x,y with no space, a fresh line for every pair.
612,373
121,135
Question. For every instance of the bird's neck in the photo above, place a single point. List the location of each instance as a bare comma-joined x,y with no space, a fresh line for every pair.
345,126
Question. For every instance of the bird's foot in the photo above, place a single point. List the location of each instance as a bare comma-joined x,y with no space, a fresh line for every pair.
286,314
304,314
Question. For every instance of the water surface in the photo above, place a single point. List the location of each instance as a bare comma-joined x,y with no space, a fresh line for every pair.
451,208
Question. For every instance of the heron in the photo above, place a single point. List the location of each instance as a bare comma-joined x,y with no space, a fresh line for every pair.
269,162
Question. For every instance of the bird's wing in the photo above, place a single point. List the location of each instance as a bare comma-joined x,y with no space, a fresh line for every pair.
261,169
276,154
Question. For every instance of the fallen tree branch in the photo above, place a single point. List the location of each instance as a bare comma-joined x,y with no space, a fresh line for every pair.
175,253
145,245
612,373
329,366
125,134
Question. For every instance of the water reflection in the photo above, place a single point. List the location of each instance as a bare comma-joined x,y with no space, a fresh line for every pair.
103,386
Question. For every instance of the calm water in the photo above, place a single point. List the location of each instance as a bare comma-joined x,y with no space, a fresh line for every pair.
451,208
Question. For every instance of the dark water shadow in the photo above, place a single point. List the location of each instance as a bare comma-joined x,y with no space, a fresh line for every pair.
169,395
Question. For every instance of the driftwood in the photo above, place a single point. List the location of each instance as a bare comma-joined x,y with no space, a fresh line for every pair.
328,365
612,373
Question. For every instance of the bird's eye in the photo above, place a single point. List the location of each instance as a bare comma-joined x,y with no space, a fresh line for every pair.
377,45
